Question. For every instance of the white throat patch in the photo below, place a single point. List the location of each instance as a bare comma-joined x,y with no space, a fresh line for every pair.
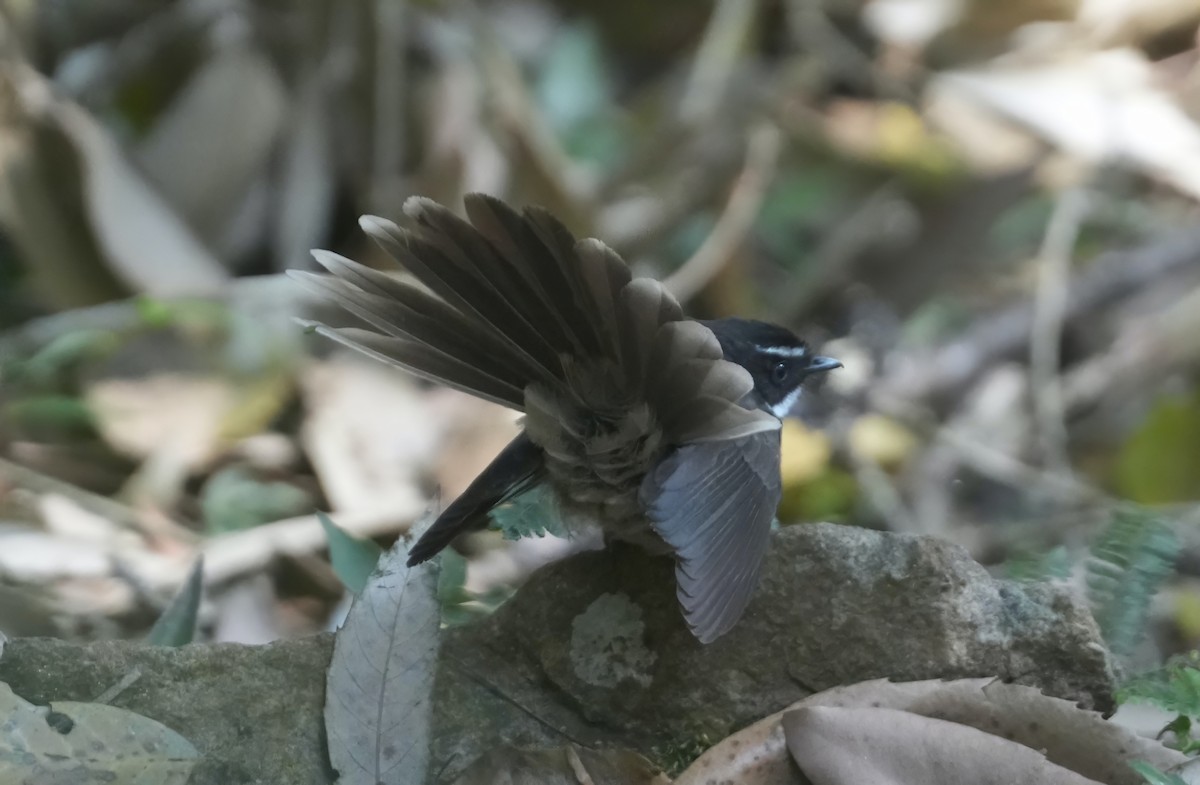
784,407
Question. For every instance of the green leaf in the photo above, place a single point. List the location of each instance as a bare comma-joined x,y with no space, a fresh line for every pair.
575,94
1174,687
1160,463
1153,775
65,352
532,514
177,624
460,605
233,499
573,85
51,417
353,558
1128,564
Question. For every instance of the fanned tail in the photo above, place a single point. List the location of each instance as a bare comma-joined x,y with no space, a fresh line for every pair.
502,299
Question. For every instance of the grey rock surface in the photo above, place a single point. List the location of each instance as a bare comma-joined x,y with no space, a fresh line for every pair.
593,651
253,712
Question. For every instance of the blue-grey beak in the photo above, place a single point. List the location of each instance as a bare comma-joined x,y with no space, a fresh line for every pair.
820,364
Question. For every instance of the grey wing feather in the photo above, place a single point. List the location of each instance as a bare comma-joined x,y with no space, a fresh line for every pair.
713,502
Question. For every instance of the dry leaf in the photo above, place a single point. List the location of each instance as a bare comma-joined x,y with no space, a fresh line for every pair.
88,742
145,243
213,143
182,415
378,712
1078,740
367,433
1099,106
838,746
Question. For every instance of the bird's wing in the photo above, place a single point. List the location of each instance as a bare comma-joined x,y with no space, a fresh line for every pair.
713,503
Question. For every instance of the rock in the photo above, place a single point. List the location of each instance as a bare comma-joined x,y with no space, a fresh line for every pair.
593,652
837,605
253,712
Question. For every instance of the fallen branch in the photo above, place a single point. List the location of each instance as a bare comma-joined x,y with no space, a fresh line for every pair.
935,376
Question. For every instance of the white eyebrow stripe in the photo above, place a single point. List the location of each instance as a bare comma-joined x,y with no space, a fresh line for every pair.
784,407
783,351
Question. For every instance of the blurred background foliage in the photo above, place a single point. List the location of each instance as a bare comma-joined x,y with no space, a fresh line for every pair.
986,210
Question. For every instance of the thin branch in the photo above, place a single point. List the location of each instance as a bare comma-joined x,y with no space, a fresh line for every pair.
233,555
390,79
718,55
19,476
936,375
1049,316
738,218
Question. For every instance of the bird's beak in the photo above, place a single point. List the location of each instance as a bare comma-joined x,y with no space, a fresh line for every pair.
821,364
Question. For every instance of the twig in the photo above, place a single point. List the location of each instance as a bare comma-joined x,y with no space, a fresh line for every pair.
127,681
811,28
1144,350
737,219
883,495
716,59
933,376
33,480
388,127
992,462
236,554
867,226
520,118
1049,315
257,295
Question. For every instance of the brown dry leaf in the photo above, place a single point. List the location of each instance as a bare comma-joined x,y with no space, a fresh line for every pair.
307,178
143,241
1119,22
165,414
568,765
214,142
1097,106
755,755
174,423
368,433
1070,737
838,746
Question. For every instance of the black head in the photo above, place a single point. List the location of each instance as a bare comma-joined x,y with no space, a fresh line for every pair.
776,358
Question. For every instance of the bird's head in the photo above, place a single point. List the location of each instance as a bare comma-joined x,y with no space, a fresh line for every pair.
778,361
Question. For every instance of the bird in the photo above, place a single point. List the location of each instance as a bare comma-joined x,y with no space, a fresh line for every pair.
662,430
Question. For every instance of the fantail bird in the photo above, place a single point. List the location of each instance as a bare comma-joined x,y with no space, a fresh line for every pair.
663,430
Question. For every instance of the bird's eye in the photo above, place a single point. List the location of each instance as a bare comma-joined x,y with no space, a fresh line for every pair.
779,372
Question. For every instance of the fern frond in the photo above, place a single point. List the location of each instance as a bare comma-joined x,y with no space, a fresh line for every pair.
1175,687
1128,564
534,513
